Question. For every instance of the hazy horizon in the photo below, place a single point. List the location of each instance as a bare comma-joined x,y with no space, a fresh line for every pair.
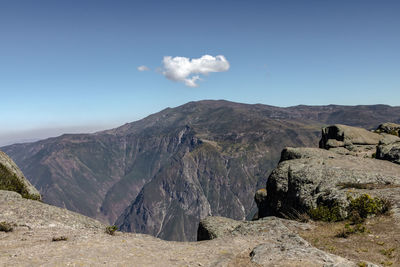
41,133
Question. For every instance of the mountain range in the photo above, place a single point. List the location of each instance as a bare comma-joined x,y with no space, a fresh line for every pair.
162,174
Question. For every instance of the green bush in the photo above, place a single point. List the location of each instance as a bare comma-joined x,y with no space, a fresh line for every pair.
326,214
111,229
363,206
358,210
351,229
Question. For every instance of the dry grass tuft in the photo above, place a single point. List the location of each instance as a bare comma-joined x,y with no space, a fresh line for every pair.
376,240
59,238
6,227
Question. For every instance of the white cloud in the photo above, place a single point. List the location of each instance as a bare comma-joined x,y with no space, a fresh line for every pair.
143,68
183,69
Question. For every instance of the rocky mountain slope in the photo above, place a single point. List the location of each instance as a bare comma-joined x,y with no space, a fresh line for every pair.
162,174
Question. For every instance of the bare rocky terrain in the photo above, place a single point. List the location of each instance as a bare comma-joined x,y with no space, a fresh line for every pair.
269,242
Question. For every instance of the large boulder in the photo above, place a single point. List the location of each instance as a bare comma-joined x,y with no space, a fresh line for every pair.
260,198
12,179
389,128
350,140
308,177
276,242
389,145
212,227
339,135
390,152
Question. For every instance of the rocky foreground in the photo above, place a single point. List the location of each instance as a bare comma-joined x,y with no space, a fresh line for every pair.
268,242
33,233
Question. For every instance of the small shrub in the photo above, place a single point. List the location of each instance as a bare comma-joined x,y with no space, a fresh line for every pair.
373,155
362,264
326,214
388,252
295,215
6,227
363,206
349,230
387,206
59,238
111,229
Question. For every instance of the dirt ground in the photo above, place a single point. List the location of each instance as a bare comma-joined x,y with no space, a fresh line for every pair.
379,243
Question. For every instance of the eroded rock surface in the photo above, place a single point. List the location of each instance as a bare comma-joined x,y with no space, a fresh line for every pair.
348,140
279,245
389,151
247,244
342,135
308,177
390,128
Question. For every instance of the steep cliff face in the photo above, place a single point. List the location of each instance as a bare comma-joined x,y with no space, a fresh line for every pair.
162,174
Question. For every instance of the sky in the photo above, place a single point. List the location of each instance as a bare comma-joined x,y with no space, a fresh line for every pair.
86,65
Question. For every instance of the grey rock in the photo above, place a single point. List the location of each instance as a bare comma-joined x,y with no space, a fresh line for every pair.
12,178
308,177
342,135
350,140
281,246
260,197
390,152
388,139
38,215
213,227
295,251
390,128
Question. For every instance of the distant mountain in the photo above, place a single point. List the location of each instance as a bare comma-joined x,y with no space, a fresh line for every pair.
162,174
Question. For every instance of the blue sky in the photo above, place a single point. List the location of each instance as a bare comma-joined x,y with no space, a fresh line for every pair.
71,66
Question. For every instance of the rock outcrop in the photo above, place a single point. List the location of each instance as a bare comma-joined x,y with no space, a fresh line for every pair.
12,179
278,243
339,135
389,128
389,147
390,152
355,141
260,198
309,177
349,140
